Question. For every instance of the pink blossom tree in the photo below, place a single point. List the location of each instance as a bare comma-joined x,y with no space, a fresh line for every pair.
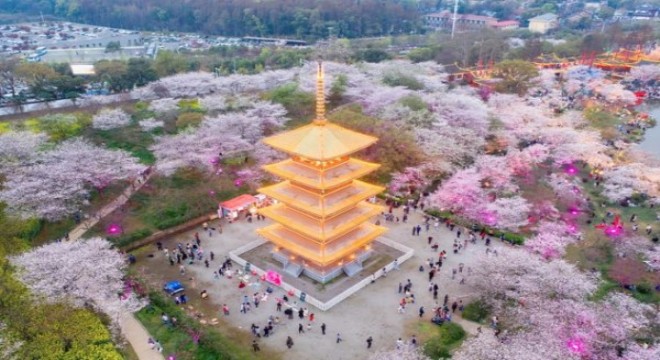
84,272
408,181
552,238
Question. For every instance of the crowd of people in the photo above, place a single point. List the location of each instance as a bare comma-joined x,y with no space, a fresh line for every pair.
280,311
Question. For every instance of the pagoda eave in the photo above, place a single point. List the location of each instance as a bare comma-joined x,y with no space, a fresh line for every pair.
326,205
324,179
321,230
321,254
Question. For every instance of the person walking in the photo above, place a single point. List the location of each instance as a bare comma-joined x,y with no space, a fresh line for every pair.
454,305
323,328
399,344
289,342
301,330
255,346
421,311
370,340
339,339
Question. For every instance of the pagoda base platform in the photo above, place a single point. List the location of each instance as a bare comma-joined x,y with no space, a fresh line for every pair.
340,282
322,274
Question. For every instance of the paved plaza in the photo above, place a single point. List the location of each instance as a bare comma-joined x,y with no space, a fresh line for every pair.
370,312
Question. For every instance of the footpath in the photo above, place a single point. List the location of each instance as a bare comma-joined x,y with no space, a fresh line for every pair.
130,327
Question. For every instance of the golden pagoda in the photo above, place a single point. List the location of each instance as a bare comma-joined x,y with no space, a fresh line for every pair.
321,216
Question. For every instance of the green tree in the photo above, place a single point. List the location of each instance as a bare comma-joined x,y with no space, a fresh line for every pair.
515,75
140,72
39,78
170,63
114,73
112,46
373,55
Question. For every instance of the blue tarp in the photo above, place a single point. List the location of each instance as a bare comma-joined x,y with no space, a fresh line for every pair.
173,287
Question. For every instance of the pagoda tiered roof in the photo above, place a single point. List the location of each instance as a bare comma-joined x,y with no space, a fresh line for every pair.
329,178
321,230
321,205
320,141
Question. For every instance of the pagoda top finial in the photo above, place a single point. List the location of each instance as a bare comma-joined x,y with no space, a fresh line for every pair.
320,96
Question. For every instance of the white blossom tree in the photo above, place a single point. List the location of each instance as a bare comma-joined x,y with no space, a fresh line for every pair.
86,272
58,183
151,124
19,148
227,133
107,119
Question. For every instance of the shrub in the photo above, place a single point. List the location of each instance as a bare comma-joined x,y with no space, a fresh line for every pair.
188,119
399,79
414,103
476,311
59,126
190,105
450,335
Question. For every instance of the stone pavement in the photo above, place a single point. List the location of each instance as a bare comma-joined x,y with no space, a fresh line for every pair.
370,312
130,327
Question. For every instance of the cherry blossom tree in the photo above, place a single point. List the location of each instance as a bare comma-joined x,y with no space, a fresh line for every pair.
460,193
645,73
195,148
623,181
61,179
227,133
408,181
164,106
213,102
506,212
18,148
107,119
460,109
613,92
151,124
84,272
552,238
545,313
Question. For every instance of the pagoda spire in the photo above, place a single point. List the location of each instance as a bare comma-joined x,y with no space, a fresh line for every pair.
320,96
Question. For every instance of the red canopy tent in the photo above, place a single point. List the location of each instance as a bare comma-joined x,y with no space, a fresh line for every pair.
232,208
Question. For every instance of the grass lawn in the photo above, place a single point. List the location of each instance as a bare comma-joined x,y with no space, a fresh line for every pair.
597,253
180,341
165,202
440,341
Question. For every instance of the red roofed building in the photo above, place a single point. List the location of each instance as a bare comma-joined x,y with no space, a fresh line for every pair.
232,208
